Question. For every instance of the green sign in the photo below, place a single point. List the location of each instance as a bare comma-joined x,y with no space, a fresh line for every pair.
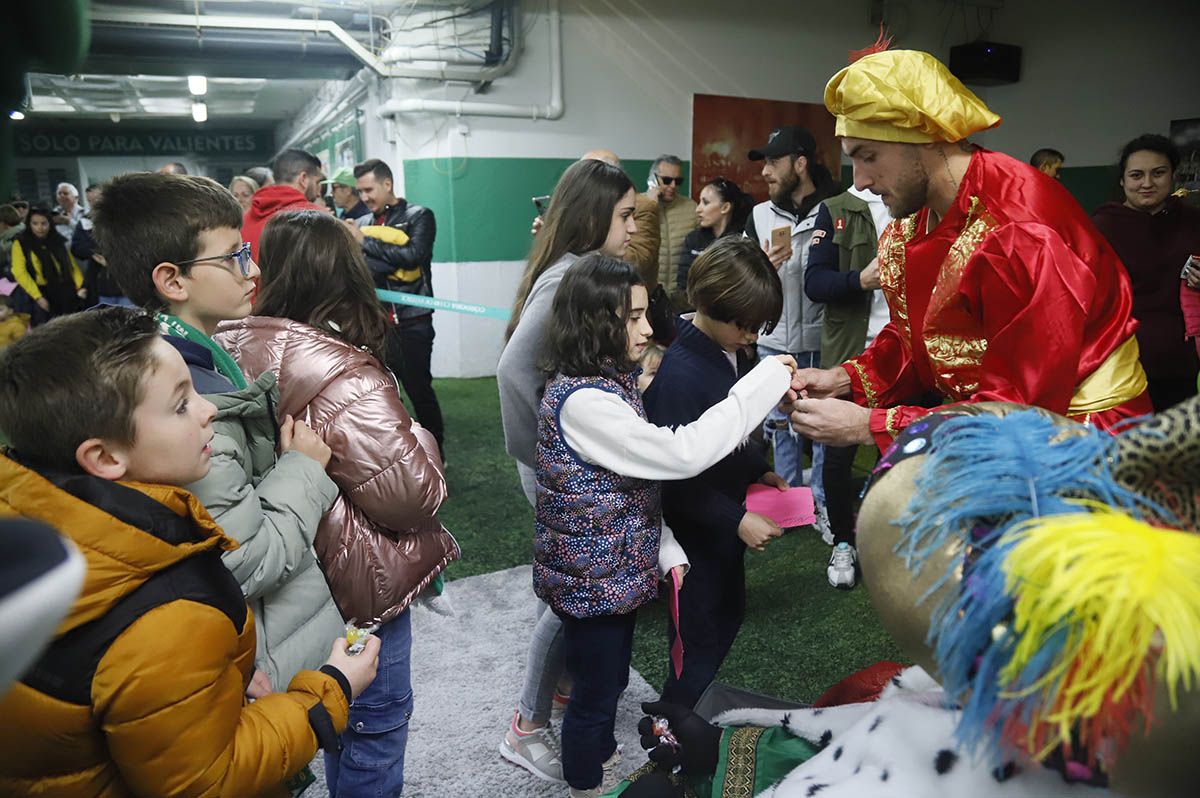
70,142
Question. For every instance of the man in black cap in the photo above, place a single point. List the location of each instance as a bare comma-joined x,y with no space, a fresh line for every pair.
797,183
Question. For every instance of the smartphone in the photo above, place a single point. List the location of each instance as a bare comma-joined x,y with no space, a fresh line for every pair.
781,237
651,181
542,204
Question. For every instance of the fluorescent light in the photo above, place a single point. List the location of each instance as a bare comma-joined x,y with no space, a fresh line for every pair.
198,85
200,112
16,116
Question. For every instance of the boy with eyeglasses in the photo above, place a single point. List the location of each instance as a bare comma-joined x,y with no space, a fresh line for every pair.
174,245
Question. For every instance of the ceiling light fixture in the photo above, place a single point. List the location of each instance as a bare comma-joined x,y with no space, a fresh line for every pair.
200,112
198,85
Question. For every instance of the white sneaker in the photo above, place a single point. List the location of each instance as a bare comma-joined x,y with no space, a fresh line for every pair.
611,778
841,566
536,751
822,524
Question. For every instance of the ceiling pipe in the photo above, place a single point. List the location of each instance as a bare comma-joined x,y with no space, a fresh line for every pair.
316,26
552,110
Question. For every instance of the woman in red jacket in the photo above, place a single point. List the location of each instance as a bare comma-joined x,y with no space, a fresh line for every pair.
321,330
1155,234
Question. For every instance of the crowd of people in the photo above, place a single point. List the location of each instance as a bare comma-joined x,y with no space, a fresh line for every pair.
234,460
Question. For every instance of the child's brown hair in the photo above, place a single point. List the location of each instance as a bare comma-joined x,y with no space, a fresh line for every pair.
733,281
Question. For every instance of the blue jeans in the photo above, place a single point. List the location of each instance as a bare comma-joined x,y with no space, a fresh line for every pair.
598,651
787,445
371,762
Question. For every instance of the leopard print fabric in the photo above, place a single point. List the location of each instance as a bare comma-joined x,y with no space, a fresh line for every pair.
1160,458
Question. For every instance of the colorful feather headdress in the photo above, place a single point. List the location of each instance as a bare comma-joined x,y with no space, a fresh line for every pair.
1073,606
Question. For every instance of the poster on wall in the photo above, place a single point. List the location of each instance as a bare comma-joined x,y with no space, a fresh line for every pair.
1185,134
725,129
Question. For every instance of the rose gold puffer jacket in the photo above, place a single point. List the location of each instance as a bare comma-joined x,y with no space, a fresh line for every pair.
381,543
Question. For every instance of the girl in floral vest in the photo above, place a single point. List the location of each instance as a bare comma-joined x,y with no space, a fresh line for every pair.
599,517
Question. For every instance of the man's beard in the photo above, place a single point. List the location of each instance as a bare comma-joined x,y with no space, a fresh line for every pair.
781,192
912,191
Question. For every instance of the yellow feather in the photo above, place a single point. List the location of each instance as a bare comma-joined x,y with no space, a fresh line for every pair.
1113,583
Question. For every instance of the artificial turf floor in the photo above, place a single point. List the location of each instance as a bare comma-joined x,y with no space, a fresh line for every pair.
800,635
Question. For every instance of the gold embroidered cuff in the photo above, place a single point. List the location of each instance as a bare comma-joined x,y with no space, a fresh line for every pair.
741,762
889,422
868,391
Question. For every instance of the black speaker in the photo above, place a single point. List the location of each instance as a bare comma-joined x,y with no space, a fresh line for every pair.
986,63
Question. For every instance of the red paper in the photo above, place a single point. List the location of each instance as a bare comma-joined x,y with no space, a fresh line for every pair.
791,507
677,646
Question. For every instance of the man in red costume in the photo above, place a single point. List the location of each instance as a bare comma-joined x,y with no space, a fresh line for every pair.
999,286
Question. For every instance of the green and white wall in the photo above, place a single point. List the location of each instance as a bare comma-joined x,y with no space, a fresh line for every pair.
1093,76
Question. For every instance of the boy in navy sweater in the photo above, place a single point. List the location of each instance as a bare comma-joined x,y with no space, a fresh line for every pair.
737,293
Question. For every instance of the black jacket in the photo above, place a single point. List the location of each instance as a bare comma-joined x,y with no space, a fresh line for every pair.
705,510
357,212
97,279
404,268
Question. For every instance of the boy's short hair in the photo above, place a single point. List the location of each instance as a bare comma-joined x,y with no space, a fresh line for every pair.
144,219
376,167
733,281
74,378
9,215
290,163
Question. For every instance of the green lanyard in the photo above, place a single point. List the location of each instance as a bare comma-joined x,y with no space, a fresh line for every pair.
225,365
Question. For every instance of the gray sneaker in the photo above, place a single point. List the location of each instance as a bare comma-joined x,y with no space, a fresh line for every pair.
610,778
822,524
536,751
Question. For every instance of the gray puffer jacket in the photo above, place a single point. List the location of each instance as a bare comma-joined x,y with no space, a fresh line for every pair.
272,505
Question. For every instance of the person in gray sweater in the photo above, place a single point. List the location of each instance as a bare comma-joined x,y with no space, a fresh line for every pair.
591,210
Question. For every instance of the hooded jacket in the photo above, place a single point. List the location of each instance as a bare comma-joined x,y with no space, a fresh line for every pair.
381,543
268,201
157,707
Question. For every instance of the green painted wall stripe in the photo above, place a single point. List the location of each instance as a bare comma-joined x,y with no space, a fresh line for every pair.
433,303
483,206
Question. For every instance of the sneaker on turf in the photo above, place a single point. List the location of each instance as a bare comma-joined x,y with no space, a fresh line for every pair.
610,778
841,566
536,751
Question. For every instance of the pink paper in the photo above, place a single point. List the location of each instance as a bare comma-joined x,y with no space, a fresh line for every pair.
791,507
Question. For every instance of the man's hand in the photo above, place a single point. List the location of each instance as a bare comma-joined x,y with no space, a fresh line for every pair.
833,421
820,383
868,278
1191,272
698,740
43,303
61,218
296,436
774,480
757,530
260,685
777,255
536,226
652,192
355,230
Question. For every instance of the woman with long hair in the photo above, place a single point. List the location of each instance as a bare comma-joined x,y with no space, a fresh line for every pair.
45,270
591,210
321,329
721,211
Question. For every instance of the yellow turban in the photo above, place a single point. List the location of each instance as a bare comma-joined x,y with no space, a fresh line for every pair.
907,96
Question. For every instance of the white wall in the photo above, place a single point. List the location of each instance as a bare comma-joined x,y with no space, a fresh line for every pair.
1093,76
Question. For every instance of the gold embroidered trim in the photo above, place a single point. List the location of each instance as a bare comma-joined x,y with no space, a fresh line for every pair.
868,391
741,762
889,422
891,270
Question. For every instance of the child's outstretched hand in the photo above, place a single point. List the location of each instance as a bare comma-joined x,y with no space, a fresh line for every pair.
359,669
774,480
757,530
788,361
296,436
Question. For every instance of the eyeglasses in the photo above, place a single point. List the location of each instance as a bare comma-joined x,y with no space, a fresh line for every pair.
669,181
241,255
